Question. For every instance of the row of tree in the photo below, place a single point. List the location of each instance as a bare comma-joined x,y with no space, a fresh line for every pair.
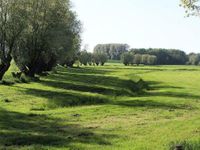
86,58
170,56
156,56
164,56
37,35
130,58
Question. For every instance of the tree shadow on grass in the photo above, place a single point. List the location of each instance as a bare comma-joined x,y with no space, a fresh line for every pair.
86,89
174,95
155,85
94,82
59,99
19,130
93,71
131,88
6,83
150,104
186,145
142,68
91,89
186,69
64,99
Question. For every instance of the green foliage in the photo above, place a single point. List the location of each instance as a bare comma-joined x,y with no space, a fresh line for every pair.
127,58
69,60
131,58
151,59
85,58
194,59
49,34
145,59
164,56
100,58
137,58
12,23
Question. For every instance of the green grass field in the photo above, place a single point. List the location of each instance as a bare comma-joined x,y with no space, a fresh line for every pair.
104,108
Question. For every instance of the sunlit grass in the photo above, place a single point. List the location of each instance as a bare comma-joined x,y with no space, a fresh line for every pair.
103,108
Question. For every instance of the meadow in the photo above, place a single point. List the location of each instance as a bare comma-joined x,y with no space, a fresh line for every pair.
112,107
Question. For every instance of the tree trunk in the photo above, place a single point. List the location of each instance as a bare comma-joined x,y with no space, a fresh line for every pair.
30,73
4,66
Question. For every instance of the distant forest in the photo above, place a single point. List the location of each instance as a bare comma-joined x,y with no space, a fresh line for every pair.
151,56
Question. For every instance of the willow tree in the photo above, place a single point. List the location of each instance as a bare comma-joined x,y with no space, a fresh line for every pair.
52,32
12,23
69,54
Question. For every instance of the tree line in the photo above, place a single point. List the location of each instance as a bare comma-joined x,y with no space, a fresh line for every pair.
37,35
151,56
87,58
169,56
164,56
129,58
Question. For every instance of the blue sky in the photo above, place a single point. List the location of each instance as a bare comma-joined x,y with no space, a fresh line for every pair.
139,23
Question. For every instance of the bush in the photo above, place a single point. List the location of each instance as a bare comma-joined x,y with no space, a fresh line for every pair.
127,58
137,59
98,58
84,58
